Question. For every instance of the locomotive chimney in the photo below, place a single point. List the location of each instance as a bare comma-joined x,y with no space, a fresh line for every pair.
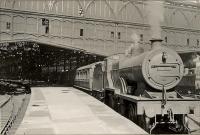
155,43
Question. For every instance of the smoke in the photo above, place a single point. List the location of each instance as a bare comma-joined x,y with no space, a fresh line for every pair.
134,45
155,10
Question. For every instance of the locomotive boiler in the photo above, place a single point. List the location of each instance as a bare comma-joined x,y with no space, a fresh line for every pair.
141,86
158,69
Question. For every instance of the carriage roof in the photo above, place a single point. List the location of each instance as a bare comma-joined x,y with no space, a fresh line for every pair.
88,66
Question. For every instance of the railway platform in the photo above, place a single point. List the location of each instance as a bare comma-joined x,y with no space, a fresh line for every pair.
66,110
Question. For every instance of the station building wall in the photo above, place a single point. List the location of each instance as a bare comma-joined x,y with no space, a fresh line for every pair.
99,26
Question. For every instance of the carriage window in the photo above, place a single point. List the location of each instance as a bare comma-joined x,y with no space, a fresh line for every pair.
87,75
81,75
197,42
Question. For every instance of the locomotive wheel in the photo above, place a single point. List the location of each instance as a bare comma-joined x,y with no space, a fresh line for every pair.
132,113
183,125
111,101
122,108
144,122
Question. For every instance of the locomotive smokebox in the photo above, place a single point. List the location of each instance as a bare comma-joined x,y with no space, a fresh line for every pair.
155,43
159,67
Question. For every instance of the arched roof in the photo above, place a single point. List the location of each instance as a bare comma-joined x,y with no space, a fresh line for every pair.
103,9
121,10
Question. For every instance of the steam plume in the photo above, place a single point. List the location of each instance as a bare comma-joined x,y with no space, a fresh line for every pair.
134,45
155,17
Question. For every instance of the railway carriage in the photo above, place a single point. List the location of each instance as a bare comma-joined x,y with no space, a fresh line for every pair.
84,77
142,87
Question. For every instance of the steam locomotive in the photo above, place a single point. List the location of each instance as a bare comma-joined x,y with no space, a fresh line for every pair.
141,86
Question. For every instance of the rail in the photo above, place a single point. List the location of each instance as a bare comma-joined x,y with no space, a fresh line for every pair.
2,105
195,121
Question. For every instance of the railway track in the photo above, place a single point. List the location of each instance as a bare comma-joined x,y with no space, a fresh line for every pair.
10,112
16,95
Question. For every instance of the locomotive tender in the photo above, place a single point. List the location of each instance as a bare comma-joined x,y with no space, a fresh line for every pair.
141,87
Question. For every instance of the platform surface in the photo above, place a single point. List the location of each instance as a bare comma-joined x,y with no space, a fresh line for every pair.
66,110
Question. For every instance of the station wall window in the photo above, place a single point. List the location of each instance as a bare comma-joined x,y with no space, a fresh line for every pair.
166,39
111,34
188,41
141,37
8,25
46,29
119,35
197,42
81,32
